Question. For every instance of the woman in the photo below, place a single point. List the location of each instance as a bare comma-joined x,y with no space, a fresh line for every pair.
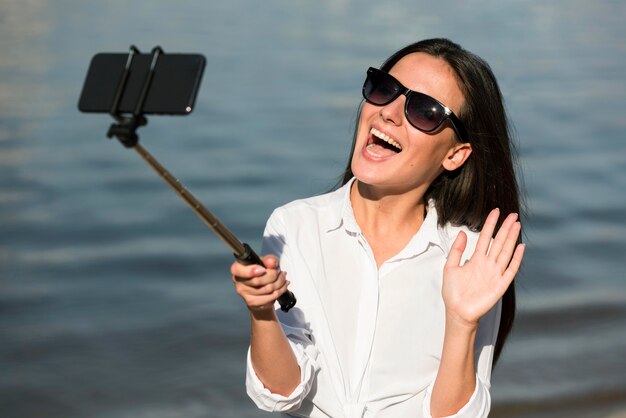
402,304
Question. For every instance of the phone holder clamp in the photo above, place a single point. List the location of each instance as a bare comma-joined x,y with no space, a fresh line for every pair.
125,128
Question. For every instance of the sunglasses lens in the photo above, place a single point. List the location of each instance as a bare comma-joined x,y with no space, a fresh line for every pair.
379,88
424,113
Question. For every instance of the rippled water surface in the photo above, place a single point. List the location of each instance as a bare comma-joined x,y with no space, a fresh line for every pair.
115,300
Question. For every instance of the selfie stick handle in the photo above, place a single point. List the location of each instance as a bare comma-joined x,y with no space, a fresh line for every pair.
242,251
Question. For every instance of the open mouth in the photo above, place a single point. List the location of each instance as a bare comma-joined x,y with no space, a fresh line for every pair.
382,145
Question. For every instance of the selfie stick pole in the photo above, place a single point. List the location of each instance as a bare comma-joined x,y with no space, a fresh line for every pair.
125,132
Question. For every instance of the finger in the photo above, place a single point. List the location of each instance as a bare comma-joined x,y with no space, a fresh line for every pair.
484,239
498,242
508,246
282,289
265,289
263,302
456,252
258,282
246,272
514,265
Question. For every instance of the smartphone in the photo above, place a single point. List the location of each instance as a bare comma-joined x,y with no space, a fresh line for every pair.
173,89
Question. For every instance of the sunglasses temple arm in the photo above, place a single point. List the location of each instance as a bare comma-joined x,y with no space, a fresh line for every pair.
242,251
459,127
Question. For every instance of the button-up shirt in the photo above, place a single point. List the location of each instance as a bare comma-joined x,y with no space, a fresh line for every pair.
368,340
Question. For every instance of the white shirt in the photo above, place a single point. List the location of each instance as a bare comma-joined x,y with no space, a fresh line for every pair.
368,340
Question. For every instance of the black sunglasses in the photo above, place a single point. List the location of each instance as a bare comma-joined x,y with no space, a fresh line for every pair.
421,110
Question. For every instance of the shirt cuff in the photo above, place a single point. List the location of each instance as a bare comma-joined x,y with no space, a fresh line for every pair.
272,402
477,407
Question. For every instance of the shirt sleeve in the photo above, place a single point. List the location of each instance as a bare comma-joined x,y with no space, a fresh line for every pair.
294,326
479,404
306,355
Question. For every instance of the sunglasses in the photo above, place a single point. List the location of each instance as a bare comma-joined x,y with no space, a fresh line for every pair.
422,111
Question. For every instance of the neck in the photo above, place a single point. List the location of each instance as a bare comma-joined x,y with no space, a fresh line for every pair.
383,212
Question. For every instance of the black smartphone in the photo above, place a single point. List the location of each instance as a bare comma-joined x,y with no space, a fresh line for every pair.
172,91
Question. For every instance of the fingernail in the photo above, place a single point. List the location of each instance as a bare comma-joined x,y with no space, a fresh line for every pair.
259,270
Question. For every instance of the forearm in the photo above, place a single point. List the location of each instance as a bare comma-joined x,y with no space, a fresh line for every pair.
456,377
273,359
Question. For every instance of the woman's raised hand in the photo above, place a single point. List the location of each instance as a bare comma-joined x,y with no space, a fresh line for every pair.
471,290
259,286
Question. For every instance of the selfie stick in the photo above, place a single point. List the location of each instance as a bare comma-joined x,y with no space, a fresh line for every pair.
125,132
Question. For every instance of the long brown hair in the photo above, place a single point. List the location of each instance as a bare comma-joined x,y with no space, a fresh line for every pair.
487,179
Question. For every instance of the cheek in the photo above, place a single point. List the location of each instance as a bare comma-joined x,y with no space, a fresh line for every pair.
368,112
431,153
367,115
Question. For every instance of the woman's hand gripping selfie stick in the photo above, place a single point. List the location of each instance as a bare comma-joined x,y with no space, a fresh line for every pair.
242,251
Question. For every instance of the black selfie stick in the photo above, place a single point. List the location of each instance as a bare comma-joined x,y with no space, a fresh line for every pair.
125,131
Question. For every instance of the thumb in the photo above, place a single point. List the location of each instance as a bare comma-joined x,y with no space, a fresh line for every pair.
454,258
270,261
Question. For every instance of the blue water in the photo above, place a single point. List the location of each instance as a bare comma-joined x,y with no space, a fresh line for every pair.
116,301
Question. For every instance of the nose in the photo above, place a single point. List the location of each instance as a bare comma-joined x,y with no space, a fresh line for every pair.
394,112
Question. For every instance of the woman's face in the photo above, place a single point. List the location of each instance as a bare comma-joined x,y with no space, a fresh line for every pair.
423,156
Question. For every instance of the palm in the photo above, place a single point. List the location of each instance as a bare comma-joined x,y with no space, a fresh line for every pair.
471,290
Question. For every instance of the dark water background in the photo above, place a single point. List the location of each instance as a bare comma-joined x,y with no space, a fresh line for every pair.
115,301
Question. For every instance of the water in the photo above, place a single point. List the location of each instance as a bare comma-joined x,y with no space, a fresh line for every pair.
115,301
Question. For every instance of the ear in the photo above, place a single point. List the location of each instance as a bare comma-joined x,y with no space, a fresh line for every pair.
456,156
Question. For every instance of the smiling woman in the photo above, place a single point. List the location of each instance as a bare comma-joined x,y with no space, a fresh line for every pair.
403,303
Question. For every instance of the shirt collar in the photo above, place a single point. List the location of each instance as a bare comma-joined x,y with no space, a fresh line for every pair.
428,234
341,211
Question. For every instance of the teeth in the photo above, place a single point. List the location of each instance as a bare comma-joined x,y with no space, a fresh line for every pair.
386,138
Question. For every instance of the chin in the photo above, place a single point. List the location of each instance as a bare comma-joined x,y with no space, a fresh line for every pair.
370,173
371,179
